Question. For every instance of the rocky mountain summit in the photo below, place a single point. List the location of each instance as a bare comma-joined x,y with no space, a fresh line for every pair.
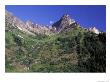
94,30
64,23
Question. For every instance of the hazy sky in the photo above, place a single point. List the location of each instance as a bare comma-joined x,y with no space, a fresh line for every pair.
85,15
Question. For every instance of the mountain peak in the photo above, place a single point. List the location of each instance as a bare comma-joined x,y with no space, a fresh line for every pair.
64,22
66,16
29,24
94,30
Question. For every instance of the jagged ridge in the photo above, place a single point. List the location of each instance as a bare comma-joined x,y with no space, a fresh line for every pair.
64,23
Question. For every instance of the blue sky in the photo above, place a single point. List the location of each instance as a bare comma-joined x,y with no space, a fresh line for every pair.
85,15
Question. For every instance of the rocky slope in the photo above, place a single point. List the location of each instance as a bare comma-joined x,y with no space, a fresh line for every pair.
28,27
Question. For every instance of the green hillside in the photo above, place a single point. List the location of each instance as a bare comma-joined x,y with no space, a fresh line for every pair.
72,50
